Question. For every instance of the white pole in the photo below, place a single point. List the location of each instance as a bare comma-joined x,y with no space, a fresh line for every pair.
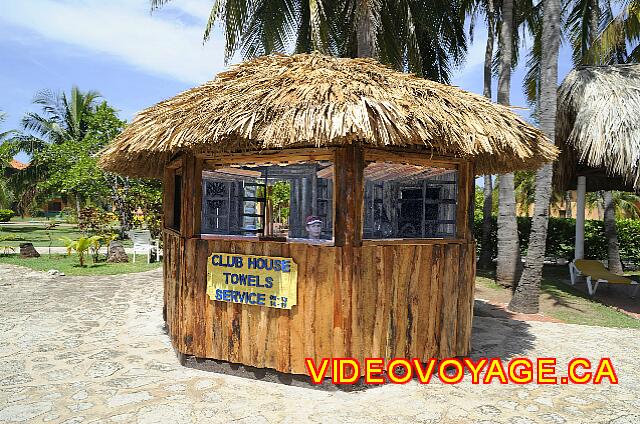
580,207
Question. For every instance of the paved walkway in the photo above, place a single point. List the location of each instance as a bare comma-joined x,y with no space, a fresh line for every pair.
78,349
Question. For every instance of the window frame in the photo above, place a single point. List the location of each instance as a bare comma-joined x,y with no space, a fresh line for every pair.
173,170
265,158
409,158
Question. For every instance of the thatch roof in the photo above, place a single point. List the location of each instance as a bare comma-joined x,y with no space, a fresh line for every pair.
598,128
16,164
311,100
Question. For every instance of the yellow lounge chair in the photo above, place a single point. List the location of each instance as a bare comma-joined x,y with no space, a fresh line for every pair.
594,270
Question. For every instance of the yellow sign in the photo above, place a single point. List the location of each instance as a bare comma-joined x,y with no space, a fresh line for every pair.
253,280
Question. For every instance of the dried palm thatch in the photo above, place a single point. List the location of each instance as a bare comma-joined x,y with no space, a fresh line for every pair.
311,100
598,128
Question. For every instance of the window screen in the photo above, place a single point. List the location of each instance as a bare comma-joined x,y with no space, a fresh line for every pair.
409,201
291,201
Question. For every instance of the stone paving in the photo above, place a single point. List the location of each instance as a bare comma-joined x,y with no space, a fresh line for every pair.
79,349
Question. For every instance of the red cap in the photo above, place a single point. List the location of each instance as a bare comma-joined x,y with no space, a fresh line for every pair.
312,219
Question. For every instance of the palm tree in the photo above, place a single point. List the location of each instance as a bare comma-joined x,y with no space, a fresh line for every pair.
62,119
6,154
488,9
526,297
508,247
405,34
619,41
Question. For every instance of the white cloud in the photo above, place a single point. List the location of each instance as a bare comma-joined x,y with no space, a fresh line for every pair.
127,30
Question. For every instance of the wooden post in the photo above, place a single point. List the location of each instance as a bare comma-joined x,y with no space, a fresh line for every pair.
191,196
348,196
167,198
305,200
314,191
464,200
580,207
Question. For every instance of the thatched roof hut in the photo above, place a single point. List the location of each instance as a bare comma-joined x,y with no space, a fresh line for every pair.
598,128
311,100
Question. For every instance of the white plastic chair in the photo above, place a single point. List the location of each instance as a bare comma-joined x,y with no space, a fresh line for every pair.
142,243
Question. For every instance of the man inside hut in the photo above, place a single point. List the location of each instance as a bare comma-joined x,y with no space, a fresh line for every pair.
313,227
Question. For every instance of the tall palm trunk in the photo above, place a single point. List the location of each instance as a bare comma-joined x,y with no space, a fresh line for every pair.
365,29
508,249
487,207
613,251
526,298
567,205
486,248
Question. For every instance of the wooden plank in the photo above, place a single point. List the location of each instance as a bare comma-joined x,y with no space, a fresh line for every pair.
320,307
415,286
299,325
379,339
364,302
415,158
449,301
284,320
389,242
420,290
466,283
219,323
174,164
433,328
217,159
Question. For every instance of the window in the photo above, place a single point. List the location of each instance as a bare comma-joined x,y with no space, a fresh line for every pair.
409,201
277,201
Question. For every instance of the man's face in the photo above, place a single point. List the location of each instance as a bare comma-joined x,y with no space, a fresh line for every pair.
314,230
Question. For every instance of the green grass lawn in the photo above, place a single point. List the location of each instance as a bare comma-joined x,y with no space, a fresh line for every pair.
37,234
561,301
70,265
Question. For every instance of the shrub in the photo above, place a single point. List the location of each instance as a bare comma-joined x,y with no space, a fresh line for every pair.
561,238
6,215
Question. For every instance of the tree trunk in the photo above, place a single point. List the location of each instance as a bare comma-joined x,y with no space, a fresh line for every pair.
77,196
611,234
526,298
567,205
486,250
365,31
117,254
508,250
28,251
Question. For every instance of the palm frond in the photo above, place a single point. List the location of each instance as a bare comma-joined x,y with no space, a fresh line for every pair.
623,29
269,29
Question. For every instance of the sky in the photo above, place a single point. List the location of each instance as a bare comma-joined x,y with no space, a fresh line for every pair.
135,58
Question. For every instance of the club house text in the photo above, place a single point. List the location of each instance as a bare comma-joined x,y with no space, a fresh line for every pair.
248,280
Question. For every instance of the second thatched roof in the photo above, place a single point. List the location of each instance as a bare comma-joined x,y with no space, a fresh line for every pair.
311,100
598,128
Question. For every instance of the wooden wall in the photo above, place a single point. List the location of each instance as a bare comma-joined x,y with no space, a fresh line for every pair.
394,300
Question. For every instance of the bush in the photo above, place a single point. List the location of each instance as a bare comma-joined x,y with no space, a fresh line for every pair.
561,238
6,215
